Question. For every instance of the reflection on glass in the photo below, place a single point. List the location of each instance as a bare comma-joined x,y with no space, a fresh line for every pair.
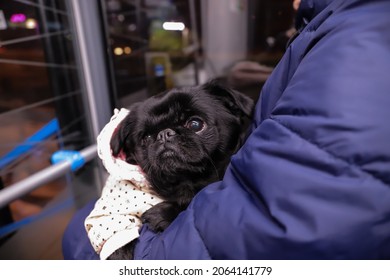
174,43
38,83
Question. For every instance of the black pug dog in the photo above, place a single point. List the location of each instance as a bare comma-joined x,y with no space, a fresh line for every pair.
183,140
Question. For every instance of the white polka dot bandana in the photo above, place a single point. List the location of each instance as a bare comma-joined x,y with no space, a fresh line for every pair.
115,219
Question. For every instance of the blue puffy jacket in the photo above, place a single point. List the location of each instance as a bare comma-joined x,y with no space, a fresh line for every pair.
312,180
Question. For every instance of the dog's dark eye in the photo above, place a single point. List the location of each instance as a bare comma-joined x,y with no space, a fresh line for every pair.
146,139
195,124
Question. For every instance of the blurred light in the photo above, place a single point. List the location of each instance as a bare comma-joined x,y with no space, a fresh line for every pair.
127,50
114,5
132,27
17,18
270,41
31,23
3,22
121,17
118,51
170,25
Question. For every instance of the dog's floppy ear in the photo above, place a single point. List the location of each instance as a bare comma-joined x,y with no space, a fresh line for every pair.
118,140
121,143
236,102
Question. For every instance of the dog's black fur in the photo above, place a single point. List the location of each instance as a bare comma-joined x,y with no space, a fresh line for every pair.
183,140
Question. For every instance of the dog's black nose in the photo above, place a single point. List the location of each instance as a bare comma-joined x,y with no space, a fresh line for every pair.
165,135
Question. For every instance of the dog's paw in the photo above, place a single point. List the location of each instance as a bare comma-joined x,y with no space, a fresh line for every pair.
160,216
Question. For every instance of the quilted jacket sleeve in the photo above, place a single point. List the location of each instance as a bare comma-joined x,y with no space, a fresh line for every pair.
313,178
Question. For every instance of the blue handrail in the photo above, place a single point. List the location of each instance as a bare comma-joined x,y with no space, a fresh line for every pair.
48,130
